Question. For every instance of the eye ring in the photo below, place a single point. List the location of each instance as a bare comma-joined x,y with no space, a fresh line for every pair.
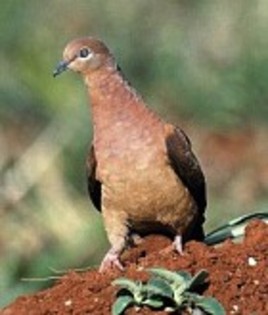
84,52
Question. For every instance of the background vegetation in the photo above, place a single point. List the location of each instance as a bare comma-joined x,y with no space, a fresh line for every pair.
201,64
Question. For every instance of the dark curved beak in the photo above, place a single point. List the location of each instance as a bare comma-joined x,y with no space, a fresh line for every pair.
61,67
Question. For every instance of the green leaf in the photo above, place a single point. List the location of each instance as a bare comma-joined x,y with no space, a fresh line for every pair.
185,274
158,286
171,277
211,306
127,284
153,303
140,295
121,304
198,279
179,296
208,304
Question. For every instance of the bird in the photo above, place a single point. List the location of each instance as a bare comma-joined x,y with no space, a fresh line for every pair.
142,173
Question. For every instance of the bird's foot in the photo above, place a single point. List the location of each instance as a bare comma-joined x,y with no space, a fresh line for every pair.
136,239
111,259
177,245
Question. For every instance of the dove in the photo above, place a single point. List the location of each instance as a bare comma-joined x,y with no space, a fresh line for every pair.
141,171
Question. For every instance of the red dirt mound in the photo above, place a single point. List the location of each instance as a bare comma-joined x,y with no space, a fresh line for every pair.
238,277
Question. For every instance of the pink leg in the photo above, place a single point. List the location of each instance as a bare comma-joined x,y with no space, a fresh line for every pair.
177,244
111,259
136,239
117,232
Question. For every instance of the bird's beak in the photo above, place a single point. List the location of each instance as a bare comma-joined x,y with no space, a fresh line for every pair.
61,67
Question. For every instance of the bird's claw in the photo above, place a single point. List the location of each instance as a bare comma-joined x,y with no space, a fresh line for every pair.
177,245
110,260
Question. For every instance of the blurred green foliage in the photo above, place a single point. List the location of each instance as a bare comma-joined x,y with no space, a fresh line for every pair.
203,63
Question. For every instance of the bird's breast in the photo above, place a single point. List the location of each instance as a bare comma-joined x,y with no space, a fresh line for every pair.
137,179
135,172
125,148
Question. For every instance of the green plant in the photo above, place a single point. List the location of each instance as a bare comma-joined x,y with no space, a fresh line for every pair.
172,290
135,293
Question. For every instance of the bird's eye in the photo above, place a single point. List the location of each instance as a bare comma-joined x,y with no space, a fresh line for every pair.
84,52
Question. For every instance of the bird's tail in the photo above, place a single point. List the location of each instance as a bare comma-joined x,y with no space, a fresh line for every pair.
198,233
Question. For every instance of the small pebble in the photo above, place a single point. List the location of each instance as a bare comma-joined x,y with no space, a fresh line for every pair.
252,261
235,309
68,303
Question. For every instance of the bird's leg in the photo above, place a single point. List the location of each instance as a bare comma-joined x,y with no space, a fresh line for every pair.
111,259
117,232
177,244
136,239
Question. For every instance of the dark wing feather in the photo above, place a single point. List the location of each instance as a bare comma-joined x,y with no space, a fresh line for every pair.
94,186
186,166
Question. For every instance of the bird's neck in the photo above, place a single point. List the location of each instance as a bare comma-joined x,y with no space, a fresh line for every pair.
115,104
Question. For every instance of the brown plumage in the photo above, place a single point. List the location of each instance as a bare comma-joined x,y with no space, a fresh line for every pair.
142,173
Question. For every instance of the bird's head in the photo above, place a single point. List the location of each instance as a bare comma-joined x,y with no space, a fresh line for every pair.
84,55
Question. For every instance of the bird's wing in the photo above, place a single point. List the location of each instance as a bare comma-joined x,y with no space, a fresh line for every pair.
94,186
186,166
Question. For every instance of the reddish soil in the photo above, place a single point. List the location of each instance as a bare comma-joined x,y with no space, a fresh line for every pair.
241,287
